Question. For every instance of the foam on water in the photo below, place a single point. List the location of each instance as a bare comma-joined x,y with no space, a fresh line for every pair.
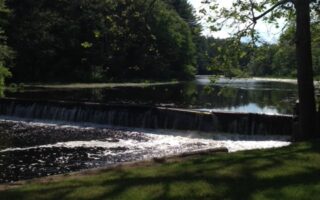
75,147
170,142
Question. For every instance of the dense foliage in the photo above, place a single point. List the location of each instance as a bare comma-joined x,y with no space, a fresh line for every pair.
99,40
120,40
5,52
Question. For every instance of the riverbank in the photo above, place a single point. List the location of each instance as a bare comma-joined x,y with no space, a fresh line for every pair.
287,173
99,85
200,78
283,80
251,79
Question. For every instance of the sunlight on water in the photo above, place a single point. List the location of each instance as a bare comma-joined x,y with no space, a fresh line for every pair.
164,145
250,108
156,143
36,149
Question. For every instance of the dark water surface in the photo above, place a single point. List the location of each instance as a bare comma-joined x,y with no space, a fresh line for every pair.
27,151
236,96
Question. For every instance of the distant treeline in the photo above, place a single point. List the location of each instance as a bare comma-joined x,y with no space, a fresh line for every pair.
128,40
280,59
264,60
222,57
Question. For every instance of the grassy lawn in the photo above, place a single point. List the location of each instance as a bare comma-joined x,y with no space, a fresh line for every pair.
287,173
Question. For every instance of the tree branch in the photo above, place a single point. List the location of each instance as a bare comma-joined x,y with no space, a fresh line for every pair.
254,21
271,9
252,9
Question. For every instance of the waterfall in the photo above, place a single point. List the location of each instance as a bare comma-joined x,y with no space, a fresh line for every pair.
147,117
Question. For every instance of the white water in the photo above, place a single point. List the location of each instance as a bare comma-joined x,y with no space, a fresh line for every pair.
249,108
168,144
164,143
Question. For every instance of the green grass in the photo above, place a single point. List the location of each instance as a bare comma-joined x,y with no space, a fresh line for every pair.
287,173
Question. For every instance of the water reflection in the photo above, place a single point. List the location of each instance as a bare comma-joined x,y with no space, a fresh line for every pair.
1,91
238,96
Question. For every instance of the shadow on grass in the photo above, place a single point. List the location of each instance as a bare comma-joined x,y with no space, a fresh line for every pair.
286,173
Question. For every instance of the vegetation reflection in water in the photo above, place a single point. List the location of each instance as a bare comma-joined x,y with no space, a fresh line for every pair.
241,96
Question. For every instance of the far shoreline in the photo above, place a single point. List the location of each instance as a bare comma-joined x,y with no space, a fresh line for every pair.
204,79
258,79
96,85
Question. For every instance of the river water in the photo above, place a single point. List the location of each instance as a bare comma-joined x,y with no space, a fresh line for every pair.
34,149
236,95
30,149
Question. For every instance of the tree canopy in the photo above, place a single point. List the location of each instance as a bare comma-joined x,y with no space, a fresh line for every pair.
100,40
5,51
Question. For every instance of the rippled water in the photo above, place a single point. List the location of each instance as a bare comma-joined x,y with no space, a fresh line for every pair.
29,150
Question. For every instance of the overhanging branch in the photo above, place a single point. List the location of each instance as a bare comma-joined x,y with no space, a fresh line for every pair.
255,19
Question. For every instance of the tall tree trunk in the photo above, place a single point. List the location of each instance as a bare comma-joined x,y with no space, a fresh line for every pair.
307,106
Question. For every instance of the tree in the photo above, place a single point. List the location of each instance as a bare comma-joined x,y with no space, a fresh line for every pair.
262,63
5,51
245,14
99,40
186,11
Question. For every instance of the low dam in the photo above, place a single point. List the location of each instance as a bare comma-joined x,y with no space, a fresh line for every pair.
147,117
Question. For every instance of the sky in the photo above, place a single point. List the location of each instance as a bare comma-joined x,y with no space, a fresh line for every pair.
268,32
